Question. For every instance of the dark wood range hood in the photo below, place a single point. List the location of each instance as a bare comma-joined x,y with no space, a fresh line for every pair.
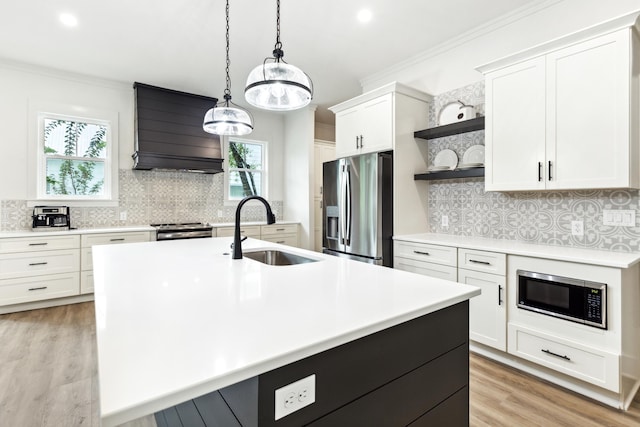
169,134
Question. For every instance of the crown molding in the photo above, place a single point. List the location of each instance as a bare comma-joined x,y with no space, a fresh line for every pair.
489,27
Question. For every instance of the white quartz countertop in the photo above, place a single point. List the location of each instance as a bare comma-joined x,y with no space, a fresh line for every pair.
178,319
562,253
123,229
29,233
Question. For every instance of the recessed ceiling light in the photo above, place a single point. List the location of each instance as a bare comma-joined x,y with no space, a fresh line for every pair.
68,19
365,15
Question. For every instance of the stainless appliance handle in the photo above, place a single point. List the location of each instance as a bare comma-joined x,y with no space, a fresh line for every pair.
348,205
342,213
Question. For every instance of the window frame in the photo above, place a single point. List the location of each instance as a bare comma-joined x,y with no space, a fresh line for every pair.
228,201
37,158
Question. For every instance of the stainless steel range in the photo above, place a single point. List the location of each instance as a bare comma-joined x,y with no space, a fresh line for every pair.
185,230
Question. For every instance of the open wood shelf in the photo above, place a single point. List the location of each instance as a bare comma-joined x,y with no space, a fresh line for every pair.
459,173
451,129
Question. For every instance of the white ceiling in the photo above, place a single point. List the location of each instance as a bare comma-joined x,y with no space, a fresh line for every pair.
180,44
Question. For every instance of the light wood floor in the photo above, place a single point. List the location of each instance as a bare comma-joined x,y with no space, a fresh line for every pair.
48,377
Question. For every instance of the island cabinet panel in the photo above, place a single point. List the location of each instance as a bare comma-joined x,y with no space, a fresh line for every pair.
351,372
415,373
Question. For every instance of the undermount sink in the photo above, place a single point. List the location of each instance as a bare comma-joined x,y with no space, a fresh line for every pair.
276,257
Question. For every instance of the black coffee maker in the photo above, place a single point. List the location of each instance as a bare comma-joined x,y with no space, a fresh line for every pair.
53,218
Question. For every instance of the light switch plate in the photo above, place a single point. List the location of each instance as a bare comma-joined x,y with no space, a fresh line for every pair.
577,228
619,217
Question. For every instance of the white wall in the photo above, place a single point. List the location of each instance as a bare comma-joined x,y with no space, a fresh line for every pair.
452,65
298,161
22,85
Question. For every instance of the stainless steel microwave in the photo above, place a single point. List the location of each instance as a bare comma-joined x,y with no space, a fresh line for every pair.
576,300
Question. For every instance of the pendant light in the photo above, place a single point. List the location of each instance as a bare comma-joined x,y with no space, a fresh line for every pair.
278,86
226,118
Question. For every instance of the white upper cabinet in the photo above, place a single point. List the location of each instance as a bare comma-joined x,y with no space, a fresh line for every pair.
365,128
566,117
367,123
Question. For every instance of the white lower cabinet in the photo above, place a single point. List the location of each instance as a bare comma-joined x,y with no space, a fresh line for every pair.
426,268
284,234
426,259
487,311
38,268
589,364
90,240
245,231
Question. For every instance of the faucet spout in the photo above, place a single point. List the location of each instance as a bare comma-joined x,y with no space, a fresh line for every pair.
237,241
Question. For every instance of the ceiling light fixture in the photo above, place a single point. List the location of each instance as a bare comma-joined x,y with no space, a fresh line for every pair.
68,19
226,118
278,86
365,15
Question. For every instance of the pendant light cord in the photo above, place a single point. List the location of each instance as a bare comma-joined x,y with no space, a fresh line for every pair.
227,91
277,50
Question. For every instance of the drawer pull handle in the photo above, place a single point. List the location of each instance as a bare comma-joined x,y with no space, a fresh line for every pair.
555,354
280,241
421,253
117,240
279,229
38,263
38,289
475,261
38,244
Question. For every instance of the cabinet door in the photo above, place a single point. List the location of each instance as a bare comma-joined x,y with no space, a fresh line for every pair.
348,128
588,114
377,125
515,127
487,312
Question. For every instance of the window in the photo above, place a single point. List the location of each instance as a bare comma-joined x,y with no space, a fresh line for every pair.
246,171
74,158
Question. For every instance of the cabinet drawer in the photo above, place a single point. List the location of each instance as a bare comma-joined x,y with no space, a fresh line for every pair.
89,240
268,230
86,282
33,244
424,252
289,239
487,262
39,263
426,268
27,289
247,230
589,364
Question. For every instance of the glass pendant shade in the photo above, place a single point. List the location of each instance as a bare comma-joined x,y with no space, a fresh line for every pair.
226,120
278,86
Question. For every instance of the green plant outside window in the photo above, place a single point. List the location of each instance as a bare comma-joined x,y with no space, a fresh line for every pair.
75,154
246,169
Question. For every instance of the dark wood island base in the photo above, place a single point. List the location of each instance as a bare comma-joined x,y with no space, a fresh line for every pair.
413,374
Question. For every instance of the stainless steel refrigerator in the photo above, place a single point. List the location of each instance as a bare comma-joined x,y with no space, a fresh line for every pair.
357,200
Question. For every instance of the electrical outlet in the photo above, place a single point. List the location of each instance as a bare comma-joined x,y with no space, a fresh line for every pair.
445,220
295,396
577,228
220,214
123,215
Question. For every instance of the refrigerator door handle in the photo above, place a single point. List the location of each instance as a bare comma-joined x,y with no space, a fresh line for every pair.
341,217
348,205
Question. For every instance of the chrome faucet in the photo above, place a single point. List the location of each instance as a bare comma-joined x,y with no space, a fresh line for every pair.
237,241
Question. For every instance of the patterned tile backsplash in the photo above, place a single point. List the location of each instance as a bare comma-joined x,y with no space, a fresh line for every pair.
535,217
149,197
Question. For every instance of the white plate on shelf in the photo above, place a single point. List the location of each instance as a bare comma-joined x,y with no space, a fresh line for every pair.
438,168
449,113
470,165
474,154
446,158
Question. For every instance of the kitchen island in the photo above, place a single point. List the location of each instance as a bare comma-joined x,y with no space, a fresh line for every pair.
177,321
